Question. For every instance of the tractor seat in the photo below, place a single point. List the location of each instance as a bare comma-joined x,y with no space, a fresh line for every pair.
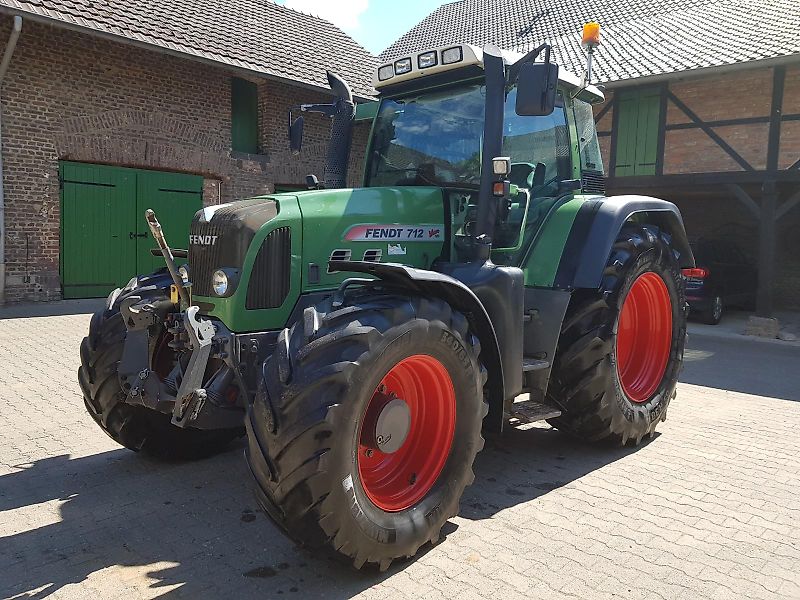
527,175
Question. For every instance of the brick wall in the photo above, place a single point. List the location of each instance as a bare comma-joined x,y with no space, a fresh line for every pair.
70,96
738,95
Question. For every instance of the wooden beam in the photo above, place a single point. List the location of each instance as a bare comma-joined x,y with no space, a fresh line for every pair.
695,180
710,132
604,110
790,203
612,161
745,199
662,129
774,139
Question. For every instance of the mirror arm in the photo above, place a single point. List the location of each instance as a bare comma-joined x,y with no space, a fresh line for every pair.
513,70
326,109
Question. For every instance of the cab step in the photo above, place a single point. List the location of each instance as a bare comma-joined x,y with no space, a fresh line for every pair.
530,411
534,364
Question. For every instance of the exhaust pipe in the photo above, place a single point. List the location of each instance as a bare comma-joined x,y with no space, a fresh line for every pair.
341,133
343,113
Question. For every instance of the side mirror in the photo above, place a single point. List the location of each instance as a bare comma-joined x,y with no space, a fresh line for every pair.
536,89
296,135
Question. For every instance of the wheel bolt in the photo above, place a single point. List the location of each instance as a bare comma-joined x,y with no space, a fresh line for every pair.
368,452
413,479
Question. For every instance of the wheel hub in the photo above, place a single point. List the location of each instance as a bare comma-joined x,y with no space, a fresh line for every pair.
386,424
406,433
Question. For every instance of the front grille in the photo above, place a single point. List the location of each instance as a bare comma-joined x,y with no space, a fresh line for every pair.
593,182
221,237
271,276
204,259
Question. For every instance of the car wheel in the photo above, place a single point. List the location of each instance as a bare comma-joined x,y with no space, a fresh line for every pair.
714,314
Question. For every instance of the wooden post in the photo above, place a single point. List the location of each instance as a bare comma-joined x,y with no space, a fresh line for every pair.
769,200
766,250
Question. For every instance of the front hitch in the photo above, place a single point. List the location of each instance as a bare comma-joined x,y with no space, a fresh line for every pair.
139,380
166,252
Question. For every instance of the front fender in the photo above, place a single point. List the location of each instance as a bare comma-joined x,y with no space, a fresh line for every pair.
460,297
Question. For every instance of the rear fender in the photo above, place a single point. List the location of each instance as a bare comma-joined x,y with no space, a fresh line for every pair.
596,228
438,285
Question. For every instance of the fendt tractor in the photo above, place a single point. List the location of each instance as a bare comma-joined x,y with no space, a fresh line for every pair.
365,339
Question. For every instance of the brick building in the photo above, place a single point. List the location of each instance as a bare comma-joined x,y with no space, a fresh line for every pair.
110,107
702,109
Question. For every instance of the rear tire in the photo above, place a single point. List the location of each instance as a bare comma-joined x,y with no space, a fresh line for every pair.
597,402
306,437
134,426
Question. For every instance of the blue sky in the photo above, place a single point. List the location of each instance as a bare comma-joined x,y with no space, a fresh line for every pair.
373,23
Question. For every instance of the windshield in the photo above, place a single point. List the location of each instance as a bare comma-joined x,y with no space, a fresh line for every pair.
429,139
435,138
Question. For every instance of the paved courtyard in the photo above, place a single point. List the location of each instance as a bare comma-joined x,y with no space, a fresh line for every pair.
708,509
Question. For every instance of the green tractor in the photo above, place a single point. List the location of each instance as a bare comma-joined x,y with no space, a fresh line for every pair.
363,339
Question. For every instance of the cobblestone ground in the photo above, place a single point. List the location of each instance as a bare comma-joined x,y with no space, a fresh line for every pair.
707,509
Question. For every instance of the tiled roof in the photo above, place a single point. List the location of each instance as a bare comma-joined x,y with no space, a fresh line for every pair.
256,35
640,37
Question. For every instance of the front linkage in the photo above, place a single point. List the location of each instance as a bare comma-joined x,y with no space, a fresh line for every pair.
158,378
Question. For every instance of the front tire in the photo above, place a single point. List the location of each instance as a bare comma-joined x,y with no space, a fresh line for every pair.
621,346
313,446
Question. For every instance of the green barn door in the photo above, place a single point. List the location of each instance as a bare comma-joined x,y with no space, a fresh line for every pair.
637,132
98,206
104,238
175,198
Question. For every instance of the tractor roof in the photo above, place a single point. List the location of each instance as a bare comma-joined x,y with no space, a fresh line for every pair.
433,61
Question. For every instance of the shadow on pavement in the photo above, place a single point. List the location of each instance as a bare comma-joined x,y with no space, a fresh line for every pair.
196,531
741,365
52,309
524,464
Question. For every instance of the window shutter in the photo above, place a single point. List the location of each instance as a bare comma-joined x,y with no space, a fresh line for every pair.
244,116
637,132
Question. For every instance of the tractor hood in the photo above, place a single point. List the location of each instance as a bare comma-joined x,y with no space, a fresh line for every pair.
389,224
276,248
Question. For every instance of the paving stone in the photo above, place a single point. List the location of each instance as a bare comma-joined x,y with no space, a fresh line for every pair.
707,509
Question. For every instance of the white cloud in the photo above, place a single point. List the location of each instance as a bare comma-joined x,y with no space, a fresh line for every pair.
344,13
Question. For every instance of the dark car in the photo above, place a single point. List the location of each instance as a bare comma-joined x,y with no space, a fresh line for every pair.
724,276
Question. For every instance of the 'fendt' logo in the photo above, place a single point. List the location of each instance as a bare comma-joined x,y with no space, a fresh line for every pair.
203,240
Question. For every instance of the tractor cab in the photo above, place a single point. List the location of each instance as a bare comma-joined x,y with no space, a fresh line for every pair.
430,130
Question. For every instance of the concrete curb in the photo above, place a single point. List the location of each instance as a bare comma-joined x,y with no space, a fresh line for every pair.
712,331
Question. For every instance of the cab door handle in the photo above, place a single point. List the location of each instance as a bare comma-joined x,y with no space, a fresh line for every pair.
133,235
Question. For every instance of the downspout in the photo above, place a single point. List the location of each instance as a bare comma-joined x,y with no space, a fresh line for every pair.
10,45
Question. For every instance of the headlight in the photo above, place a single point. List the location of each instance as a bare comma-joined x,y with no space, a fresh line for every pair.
427,60
402,66
183,271
385,72
452,55
219,282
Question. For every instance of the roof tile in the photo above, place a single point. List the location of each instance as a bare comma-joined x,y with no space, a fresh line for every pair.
257,35
640,37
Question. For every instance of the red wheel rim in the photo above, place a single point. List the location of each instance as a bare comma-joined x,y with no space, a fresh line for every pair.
397,481
644,337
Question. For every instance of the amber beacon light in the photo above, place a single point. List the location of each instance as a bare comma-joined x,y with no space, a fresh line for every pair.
591,34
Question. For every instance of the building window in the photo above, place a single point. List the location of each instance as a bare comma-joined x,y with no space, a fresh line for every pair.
244,116
638,118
